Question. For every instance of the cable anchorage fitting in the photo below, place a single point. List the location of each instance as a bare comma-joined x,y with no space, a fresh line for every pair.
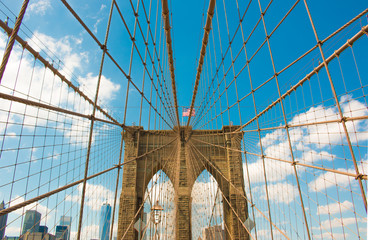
360,176
118,166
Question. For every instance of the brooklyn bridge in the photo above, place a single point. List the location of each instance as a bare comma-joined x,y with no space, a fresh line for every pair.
144,119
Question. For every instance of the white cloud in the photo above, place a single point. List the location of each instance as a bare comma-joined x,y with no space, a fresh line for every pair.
333,208
95,26
313,156
40,84
44,210
103,6
11,135
39,7
309,144
327,235
329,179
107,91
63,48
266,233
281,192
332,133
87,232
339,222
96,196
12,231
275,170
323,134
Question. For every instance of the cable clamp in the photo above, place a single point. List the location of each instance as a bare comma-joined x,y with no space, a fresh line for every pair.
349,42
118,166
359,176
337,54
25,45
294,163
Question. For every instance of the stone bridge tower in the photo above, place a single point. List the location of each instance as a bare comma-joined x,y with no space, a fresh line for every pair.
183,163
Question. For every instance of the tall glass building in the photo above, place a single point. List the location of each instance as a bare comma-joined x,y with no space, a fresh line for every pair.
3,220
31,221
105,219
66,221
61,232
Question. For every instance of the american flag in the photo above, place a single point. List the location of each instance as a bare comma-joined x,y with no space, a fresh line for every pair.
186,112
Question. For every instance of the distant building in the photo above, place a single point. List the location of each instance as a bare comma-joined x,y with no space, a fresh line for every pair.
32,236
66,221
214,233
105,218
37,236
144,220
3,220
10,238
49,236
62,232
31,221
43,230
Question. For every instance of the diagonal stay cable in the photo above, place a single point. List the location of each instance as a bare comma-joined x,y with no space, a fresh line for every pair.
173,153
154,56
165,13
288,66
285,68
24,44
232,185
349,42
360,176
71,10
48,194
151,57
206,33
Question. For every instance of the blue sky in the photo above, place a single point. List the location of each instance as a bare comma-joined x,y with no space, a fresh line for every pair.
51,29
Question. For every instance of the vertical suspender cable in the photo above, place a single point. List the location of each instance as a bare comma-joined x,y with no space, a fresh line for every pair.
206,34
165,13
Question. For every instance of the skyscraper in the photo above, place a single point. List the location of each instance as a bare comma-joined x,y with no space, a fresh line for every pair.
43,230
61,233
105,218
213,233
66,221
3,220
31,221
